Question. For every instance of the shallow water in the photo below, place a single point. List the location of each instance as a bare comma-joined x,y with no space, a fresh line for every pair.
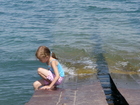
77,31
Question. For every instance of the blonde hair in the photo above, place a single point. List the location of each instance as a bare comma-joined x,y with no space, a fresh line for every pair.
43,52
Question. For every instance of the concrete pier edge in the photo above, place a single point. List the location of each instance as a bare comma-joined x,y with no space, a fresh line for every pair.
88,92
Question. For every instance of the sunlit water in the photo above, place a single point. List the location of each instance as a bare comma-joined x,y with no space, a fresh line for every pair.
76,30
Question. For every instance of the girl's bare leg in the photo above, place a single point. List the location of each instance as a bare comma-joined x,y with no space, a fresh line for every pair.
43,73
38,83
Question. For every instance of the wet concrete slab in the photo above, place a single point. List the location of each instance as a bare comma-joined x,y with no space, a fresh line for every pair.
129,87
82,90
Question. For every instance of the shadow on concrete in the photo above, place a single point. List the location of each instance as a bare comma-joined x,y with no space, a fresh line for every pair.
113,96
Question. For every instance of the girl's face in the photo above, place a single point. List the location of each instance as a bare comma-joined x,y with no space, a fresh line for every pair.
44,60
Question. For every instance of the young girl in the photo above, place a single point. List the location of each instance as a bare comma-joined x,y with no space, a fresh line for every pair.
51,76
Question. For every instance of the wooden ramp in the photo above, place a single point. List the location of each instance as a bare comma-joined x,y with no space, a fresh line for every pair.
129,87
75,91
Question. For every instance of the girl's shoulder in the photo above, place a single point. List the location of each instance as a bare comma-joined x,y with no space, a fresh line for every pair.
54,61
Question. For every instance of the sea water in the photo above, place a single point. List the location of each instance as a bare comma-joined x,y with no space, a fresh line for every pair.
76,30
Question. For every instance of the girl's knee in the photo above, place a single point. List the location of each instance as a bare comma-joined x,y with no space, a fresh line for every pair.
42,71
36,83
39,70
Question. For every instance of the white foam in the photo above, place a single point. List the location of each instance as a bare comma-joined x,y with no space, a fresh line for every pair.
122,63
139,70
70,71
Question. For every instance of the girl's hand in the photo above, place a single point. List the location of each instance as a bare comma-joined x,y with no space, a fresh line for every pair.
45,88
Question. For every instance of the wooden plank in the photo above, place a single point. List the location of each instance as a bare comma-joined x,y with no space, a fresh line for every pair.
128,86
83,92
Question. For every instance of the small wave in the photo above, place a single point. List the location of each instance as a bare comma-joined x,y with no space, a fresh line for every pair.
126,66
1,13
95,8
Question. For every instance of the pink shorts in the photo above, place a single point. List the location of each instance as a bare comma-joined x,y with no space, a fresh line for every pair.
51,77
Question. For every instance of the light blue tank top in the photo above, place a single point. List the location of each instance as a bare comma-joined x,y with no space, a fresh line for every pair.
60,69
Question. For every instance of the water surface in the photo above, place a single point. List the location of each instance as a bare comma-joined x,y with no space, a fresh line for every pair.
76,30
